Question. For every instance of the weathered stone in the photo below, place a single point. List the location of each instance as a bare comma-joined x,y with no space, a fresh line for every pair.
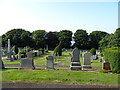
27,63
30,55
87,61
75,60
50,62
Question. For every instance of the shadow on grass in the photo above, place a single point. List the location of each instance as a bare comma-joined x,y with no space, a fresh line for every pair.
5,69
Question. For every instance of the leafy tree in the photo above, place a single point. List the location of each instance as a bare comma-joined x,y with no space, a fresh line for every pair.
18,37
51,40
81,39
95,37
58,50
93,51
39,38
112,40
65,37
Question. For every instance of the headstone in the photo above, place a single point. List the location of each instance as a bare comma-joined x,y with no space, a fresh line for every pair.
27,63
19,56
38,53
94,57
87,61
9,51
14,58
75,60
1,62
106,66
50,62
29,55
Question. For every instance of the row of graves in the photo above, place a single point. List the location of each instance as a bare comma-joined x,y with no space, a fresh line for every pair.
28,62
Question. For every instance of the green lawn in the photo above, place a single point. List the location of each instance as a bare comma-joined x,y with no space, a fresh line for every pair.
59,76
38,75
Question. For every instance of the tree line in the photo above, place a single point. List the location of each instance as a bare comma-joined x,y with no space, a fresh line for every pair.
40,38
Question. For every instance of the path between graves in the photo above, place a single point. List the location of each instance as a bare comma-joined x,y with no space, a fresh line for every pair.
53,85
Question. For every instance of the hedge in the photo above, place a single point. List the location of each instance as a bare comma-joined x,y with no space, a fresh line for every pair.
112,55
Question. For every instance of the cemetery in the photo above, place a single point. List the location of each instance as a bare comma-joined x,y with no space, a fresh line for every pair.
70,66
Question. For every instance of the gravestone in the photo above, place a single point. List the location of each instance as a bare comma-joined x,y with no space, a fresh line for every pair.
75,60
27,63
30,54
1,62
38,53
94,57
50,62
19,56
87,61
106,66
9,51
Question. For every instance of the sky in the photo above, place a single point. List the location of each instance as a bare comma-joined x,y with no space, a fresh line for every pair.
59,15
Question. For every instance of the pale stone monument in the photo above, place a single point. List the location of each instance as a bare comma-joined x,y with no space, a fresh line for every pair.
87,61
27,63
9,52
50,62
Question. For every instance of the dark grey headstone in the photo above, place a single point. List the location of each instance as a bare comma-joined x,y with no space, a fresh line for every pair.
50,62
75,60
27,63
75,55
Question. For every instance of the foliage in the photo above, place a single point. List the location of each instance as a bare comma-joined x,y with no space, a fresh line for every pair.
95,37
93,51
81,39
58,50
39,38
52,40
18,37
112,55
112,40
65,37
103,71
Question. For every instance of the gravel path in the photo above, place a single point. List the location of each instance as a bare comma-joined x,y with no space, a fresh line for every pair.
53,85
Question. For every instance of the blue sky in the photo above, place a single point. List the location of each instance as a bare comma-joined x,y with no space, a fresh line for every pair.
55,16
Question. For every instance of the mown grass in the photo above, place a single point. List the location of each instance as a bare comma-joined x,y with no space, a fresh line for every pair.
60,76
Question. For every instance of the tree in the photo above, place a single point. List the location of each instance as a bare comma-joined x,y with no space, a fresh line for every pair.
51,40
39,38
65,37
95,37
81,39
112,40
18,37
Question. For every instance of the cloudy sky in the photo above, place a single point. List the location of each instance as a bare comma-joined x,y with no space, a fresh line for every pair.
60,15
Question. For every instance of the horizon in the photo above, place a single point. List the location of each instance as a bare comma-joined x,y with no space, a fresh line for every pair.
55,16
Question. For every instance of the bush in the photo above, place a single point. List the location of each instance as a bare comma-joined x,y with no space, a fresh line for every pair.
58,50
103,71
93,51
112,55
